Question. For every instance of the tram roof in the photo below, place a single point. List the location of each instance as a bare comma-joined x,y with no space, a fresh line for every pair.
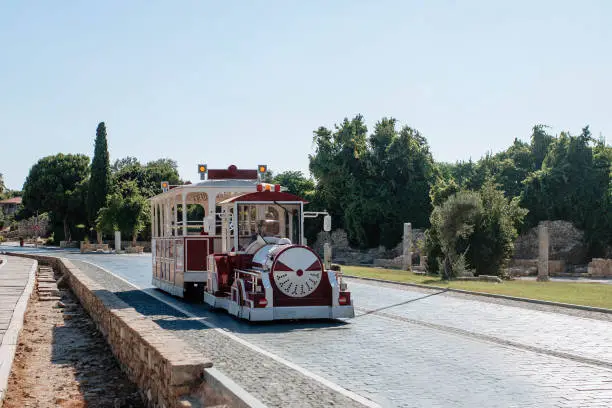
265,196
224,183
221,185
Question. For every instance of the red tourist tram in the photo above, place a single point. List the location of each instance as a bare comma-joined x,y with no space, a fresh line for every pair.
245,253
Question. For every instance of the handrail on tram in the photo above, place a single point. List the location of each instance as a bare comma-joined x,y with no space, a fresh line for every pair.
252,273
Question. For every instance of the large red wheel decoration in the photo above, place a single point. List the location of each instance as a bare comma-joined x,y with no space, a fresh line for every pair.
297,271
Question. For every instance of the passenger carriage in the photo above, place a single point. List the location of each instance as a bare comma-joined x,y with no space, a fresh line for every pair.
246,252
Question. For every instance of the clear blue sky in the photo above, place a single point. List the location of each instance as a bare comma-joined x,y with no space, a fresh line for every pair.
247,82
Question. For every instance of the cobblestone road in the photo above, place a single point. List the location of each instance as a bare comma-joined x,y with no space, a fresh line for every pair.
405,349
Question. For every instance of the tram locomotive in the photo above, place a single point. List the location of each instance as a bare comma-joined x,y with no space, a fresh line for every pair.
245,250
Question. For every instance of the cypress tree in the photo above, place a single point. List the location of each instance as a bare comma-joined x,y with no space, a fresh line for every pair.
99,183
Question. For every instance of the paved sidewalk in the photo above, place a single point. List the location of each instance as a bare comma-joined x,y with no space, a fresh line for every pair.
17,276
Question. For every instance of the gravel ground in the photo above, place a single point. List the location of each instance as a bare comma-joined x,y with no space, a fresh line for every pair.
63,361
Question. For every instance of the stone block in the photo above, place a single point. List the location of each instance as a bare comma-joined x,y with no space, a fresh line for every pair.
556,266
600,268
89,248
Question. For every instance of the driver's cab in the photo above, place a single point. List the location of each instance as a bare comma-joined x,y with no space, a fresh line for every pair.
250,221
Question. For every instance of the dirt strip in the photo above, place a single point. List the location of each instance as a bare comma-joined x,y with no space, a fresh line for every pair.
63,361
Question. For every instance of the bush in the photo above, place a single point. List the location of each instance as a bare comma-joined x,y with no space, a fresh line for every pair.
492,243
452,223
473,230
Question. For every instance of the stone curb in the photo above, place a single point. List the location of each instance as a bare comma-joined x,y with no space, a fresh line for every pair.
230,390
492,295
11,336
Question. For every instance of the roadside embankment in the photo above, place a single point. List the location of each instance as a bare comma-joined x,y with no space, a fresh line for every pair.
61,359
17,279
168,372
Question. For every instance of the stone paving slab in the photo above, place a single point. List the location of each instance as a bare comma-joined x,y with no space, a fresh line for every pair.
399,360
17,276
267,380
582,337
390,360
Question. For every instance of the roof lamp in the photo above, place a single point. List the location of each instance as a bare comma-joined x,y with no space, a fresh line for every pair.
203,171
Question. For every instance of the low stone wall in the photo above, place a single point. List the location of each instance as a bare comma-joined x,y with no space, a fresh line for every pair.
69,244
395,263
168,372
481,278
94,247
345,255
526,267
566,243
146,245
600,268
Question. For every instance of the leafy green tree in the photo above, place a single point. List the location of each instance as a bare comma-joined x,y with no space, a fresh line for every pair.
572,185
442,189
296,183
2,185
339,168
373,184
512,166
147,177
409,168
58,184
120,164
540,142
99,182
127,211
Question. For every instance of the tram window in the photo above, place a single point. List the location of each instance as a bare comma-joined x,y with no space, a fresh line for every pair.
247,220
272,222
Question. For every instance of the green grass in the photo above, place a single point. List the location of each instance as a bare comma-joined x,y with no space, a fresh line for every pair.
587,294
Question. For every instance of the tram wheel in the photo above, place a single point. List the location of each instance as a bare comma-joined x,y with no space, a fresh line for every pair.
194,292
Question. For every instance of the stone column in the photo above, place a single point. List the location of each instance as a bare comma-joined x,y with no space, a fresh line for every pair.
543,252
407,253
117,242
327,255
423,261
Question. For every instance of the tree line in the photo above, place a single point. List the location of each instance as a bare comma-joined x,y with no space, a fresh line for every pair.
83,198
473,211
371,183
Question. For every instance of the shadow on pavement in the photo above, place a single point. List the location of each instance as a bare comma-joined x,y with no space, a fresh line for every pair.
169,318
